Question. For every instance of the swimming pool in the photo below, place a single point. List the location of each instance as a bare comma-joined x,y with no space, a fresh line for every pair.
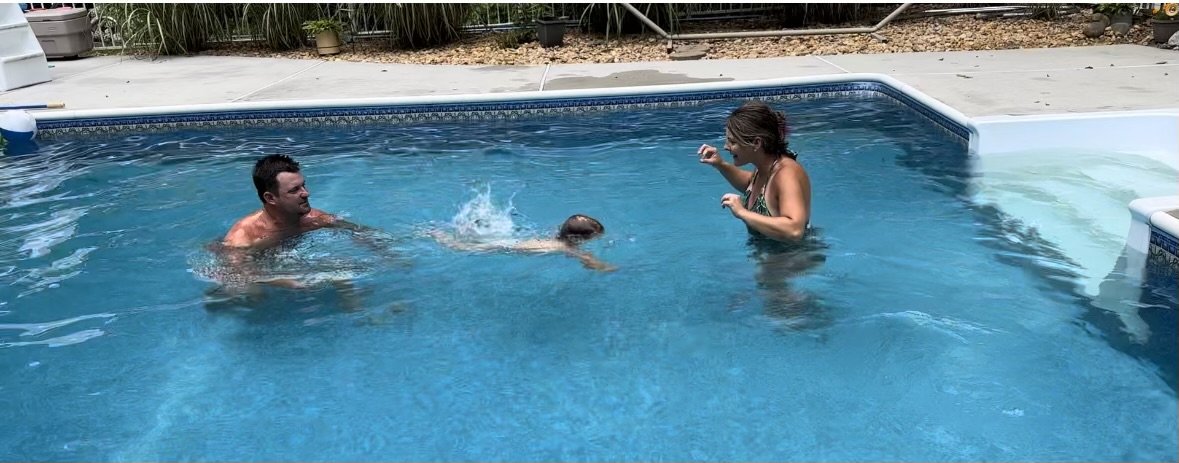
941,331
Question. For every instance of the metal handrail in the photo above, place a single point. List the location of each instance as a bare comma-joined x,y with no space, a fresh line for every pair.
741,35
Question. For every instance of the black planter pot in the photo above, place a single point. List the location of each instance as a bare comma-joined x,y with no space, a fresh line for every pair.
550,32
1164,29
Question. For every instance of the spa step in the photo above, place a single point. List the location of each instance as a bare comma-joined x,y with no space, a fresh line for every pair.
22,61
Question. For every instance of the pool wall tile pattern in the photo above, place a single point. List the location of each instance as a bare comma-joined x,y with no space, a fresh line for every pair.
505,110
1162,262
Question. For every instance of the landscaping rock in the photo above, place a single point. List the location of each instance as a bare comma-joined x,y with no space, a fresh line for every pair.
1095,29
1120,29
689,52
1101,18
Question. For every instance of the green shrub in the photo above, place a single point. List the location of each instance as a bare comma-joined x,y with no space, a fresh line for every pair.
612,19
418,25
279,25
793,15
168,28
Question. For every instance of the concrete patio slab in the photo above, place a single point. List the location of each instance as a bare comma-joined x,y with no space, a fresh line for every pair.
169,81
900,64
1051,92
338,79
580,76
992,83
64,68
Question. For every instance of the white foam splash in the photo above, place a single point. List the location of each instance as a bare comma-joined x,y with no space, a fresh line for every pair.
320,258
481,219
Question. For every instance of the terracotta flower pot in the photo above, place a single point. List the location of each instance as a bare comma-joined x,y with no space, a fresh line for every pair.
327,42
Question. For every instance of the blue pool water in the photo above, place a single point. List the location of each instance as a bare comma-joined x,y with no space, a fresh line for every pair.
932,329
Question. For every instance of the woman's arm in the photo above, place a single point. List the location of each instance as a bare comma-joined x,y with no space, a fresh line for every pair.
737,177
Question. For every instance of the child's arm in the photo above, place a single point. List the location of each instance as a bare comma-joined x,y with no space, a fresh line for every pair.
589,261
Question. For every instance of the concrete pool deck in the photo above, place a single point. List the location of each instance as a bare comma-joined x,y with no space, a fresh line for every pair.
976,83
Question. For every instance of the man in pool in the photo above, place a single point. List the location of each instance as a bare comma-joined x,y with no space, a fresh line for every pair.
576,230
286,207
286,213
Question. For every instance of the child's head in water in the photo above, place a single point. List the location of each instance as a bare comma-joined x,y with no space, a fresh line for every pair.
579,228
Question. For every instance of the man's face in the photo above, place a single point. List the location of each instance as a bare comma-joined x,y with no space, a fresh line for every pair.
292,195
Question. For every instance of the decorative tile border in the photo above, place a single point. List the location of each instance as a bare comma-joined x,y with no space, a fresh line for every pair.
1164,240
1162,262
500,110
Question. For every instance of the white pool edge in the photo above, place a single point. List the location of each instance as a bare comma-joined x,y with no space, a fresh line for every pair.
1153,133
931,103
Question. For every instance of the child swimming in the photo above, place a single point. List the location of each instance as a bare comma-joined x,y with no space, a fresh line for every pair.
576,230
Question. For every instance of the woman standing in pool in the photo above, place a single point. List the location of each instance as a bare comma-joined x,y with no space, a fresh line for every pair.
775,206
776,202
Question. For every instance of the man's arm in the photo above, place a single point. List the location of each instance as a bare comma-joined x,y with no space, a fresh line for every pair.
337,222
366,235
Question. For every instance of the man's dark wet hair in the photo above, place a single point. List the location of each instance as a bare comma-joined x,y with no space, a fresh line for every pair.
267,169
578,228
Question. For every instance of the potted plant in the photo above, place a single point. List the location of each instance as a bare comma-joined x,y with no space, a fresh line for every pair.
1122,13
327,34
1164,21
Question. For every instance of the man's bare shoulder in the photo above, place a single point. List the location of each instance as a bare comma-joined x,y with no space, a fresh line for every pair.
245,232
319,219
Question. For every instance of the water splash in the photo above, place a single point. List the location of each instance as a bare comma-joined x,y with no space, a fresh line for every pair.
313,259
482,219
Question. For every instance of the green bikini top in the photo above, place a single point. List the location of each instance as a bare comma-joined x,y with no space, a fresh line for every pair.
759,206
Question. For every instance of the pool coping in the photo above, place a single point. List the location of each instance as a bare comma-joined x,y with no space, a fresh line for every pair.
495,105
1154,133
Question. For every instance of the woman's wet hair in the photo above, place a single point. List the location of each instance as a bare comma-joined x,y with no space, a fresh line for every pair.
754,120
578,228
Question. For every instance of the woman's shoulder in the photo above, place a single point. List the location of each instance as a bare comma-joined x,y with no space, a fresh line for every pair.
791,176
790,167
